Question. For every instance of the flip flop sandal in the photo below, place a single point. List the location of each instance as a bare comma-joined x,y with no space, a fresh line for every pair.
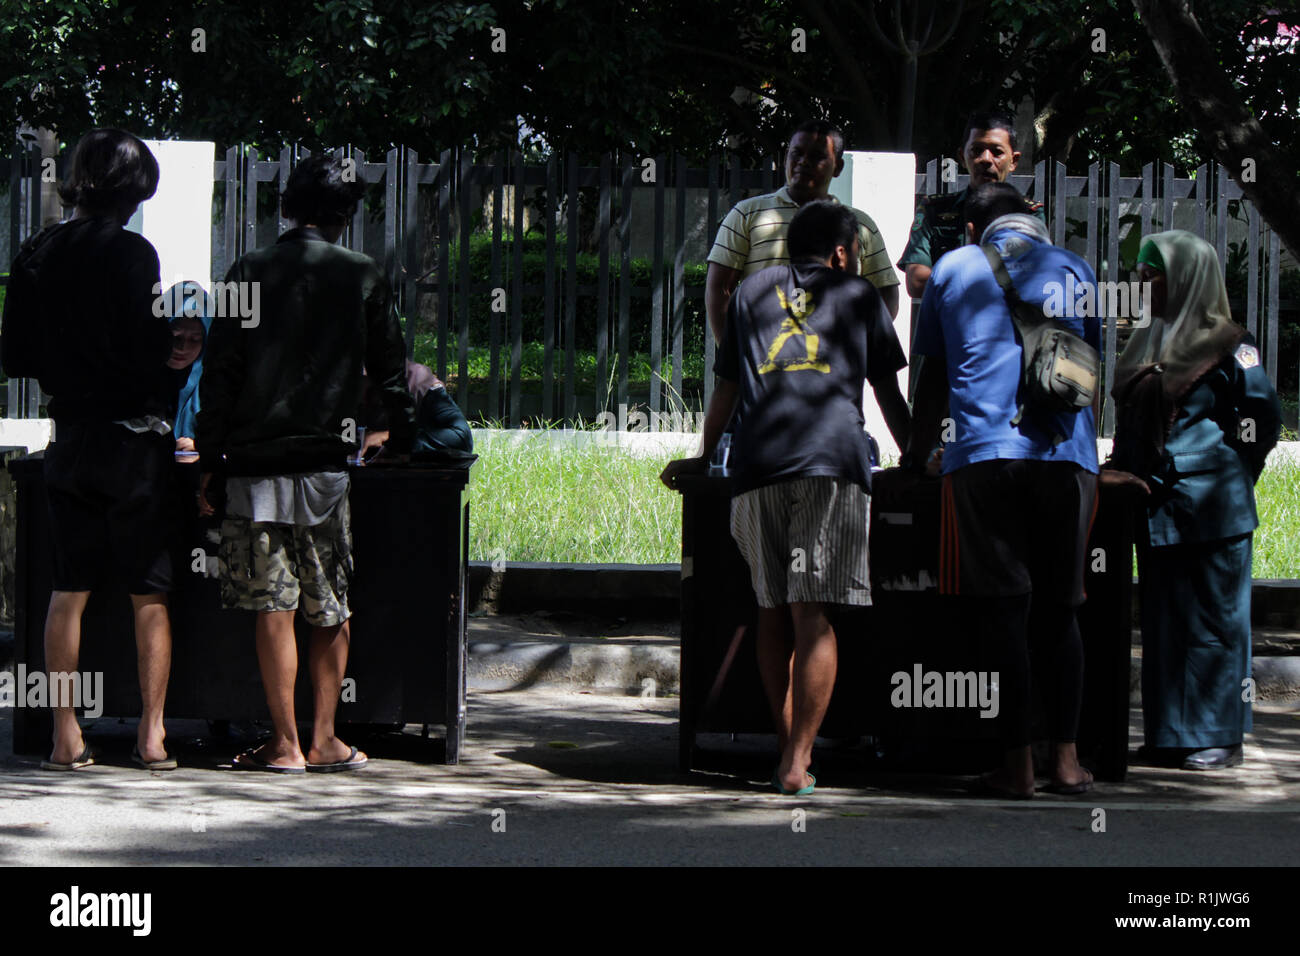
982,788
249,760
341,766
1068,789
167,763
86,758
801,792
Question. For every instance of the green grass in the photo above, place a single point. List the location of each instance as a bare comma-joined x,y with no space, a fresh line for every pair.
532,502
1277,541
596,504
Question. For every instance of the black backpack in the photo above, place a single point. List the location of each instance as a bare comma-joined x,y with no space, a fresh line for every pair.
1059,371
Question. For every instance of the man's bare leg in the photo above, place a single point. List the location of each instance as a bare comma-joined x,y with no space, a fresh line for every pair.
277,656
62,650
153,647
815,661
775,663
327,662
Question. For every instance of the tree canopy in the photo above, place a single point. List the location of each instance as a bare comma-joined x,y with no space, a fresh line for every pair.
654,76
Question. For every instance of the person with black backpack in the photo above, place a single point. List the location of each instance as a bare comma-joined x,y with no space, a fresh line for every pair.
1019,462
81,316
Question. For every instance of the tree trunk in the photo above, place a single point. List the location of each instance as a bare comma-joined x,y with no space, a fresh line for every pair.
1234,136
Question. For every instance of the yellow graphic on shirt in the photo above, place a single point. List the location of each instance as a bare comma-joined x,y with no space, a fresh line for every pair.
794,326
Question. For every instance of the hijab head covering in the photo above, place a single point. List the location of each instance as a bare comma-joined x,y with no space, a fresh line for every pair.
189,300
419,379
1168,355
1150,255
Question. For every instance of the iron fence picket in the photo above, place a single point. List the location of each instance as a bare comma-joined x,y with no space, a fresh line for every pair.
549,316
624,341
571,290
602,284
445,176
517,294
657,291
664,303
409,233
493,405
464,226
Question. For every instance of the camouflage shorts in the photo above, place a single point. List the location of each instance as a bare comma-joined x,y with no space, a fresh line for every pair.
268,567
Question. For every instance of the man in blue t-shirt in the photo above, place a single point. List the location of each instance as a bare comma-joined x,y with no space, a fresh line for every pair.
1017,504
800,340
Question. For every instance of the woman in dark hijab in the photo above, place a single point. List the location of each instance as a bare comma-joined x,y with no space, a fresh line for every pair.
1197,417
440,424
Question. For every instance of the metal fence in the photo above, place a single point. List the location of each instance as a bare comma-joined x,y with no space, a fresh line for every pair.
419,217
1089,215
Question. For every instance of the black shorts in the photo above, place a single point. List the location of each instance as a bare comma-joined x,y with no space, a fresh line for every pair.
109,493
1010,527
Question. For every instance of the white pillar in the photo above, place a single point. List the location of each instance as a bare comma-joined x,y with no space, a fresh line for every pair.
883,185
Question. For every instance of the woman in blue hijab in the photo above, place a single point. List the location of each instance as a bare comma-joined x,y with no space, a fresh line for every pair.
188,301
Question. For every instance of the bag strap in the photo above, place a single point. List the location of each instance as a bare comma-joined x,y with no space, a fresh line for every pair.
1024,324
1024,315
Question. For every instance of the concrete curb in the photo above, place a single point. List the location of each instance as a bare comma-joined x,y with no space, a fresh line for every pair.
505,657
1277,679
621,590
649,668
654,590
652,667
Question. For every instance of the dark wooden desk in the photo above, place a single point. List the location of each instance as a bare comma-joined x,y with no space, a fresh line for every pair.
410,529
908,624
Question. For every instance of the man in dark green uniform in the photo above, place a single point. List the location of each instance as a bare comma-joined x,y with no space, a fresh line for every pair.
989,155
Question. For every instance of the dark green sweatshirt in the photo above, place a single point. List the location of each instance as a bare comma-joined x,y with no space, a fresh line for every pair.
281,387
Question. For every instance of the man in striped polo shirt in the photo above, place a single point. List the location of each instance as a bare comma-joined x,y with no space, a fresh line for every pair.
753,235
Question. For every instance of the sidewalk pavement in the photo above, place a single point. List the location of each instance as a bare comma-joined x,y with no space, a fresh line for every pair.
559,776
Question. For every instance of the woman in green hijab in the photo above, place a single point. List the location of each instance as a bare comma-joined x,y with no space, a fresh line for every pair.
1196,418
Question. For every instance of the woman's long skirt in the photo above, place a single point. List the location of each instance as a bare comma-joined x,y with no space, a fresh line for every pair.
1196,643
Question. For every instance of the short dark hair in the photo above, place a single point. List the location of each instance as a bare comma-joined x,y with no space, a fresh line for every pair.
821,129
317,192
111,172
990,120
819,227
989,201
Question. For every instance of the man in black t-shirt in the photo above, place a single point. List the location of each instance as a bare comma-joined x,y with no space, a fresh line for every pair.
800,340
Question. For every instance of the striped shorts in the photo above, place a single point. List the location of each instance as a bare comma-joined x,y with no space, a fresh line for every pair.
805,540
